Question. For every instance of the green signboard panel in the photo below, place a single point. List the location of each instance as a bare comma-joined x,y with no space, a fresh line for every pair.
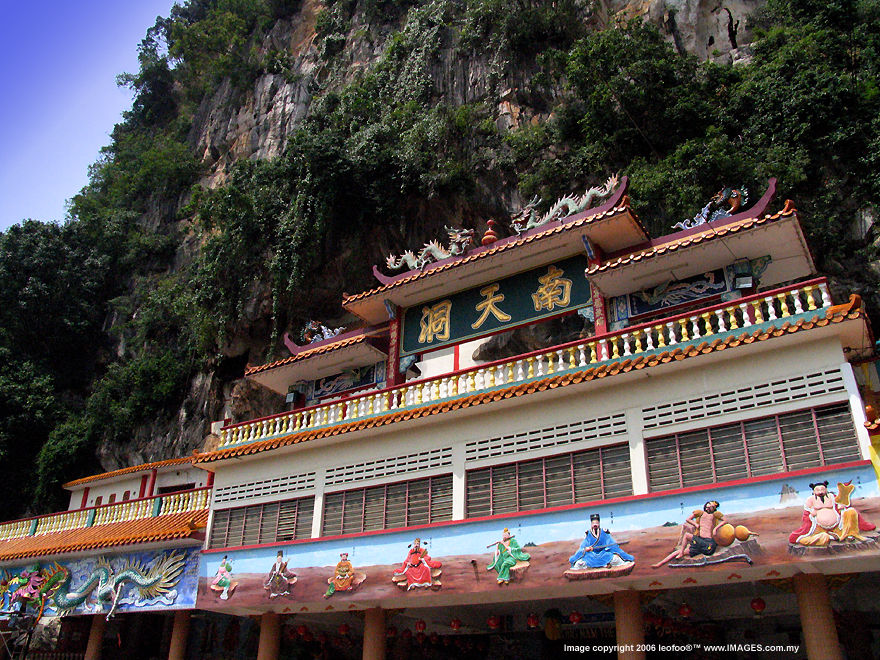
505,303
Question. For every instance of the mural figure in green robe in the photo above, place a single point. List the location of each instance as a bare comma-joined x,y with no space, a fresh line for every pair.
508,558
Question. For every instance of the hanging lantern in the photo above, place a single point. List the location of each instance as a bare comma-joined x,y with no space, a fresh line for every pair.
421,625
494,622
758,605
344,629
455,624
302,630
575,617
685,611
406,634
420,637
533,621
390,632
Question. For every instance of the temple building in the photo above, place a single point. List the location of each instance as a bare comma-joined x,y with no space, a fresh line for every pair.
571,435
113,576
577,433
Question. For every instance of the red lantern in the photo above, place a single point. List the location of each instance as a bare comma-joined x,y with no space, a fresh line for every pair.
390,632
302,630
532,621
421,625
494,622
758,605
455,624
685,611
344,629
575,617
406,634
420,637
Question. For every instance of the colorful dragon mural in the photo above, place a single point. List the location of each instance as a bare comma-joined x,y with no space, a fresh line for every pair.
52,585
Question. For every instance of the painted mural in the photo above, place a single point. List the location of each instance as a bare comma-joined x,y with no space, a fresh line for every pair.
740,531
107,584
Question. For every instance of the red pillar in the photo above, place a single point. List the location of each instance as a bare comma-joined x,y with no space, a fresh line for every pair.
151,486
85,498
96,637
817,617
630,625
179,635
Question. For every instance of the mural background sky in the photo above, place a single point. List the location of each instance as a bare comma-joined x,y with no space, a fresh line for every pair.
58,67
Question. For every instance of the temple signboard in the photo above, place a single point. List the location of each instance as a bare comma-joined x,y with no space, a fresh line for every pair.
500,305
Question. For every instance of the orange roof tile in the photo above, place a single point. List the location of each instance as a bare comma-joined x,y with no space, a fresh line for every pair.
320,350
128,470
468,258
837,314
145,530
710,233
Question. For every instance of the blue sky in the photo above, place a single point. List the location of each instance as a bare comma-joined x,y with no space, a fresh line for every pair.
58,95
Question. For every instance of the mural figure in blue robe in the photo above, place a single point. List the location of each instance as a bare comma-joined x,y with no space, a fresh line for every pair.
598,549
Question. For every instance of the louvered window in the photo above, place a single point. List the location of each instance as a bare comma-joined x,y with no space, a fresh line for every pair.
416,502
769,445
583,476
262,523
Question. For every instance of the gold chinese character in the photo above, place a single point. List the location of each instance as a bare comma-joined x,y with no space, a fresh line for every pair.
554,290
435,322
492,298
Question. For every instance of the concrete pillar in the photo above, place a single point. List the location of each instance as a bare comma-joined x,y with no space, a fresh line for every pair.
179,635
270,636
629,624
96,637
374,634
817,618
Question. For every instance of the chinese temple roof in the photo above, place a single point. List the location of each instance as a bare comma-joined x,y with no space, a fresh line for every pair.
611,226
696,250
175,526
324,358
129,470
833,315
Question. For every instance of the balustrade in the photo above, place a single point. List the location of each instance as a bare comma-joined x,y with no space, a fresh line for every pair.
190,500
666,334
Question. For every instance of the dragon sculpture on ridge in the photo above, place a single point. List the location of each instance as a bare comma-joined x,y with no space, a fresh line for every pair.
563,208
733,197
459,240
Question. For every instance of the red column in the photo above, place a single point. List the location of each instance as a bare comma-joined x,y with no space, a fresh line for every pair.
630,625
817,617
270,636
96,637
179,635
151,486
85,498
392,369
374,634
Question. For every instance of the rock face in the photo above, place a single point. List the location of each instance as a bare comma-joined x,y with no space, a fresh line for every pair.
255,122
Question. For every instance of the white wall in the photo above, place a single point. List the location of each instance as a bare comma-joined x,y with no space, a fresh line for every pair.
626,394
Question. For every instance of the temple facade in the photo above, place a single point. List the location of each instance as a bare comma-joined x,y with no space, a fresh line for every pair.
577,435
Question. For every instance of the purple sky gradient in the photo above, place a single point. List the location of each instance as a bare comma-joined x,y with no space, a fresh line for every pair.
59,100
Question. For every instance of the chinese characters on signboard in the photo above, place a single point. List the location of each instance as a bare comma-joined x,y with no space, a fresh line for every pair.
512,301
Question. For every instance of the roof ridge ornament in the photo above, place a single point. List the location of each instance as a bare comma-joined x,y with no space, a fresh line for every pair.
459,241
564,207
734,197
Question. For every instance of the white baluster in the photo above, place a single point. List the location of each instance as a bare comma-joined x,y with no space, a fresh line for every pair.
670,326
798,308
520,374
695,328
771,309
582,355
625,338
826,299
745,314
719,314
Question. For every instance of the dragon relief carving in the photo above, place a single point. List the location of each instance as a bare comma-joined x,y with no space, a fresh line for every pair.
563,208
459,241
52,584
